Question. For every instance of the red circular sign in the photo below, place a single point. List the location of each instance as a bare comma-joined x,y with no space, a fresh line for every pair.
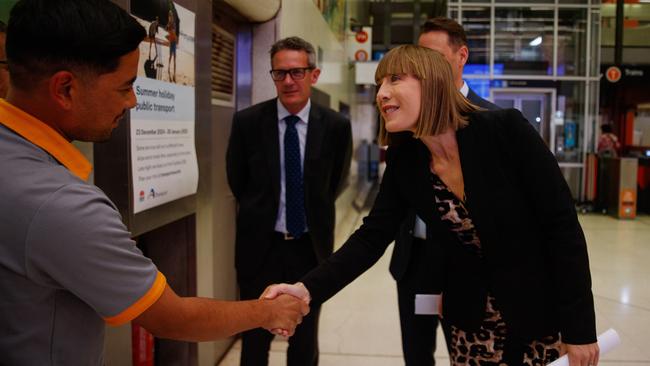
361,55
361,36
613,74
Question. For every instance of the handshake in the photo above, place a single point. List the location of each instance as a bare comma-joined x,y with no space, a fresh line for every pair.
289,303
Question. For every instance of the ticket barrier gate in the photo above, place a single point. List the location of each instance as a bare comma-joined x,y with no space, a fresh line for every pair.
618,186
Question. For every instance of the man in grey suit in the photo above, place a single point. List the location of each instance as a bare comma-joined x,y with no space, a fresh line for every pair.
287,162
413,257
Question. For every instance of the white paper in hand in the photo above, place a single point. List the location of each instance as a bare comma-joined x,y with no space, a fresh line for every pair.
606,342
427,304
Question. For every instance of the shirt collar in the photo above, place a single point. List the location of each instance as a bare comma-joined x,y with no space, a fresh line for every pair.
464,90
303,114
45,137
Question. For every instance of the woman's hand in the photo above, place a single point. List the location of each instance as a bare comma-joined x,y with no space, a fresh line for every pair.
297,290
583,354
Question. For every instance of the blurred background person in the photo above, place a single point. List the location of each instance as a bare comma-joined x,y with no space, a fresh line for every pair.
608,144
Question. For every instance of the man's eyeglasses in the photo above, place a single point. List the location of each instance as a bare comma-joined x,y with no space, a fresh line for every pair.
296,74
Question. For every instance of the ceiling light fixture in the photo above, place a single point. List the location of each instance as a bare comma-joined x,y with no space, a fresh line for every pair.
536,42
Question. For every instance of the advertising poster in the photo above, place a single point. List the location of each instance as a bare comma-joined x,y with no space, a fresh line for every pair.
163,155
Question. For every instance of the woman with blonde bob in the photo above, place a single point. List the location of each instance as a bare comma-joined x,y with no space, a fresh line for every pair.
512,262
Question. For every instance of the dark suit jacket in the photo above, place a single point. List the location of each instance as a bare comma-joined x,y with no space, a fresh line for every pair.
534,252
253,167
401,259
474,98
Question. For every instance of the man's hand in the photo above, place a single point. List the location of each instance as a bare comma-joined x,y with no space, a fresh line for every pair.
285,312
583,354
297,290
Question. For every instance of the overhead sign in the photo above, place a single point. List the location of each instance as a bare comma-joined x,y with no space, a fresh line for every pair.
361,55
613,74
359,44
361,36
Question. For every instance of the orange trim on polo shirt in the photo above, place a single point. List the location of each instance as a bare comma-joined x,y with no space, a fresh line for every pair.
142,304
45,137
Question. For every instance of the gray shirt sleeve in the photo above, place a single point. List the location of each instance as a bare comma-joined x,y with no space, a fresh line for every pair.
77,242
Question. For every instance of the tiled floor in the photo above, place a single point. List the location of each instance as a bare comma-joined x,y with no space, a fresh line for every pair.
360,325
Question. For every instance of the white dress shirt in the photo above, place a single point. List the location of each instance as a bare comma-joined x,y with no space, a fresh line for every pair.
301,127
420,228
464,90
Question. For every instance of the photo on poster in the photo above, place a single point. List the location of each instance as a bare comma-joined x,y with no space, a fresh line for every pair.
167,53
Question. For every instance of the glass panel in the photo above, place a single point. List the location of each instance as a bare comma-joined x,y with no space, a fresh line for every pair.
608,19
572,42
532,110
535,105
523,41
480,86
452,12
594,88
402,30
476,21
595,44
569,121
635,28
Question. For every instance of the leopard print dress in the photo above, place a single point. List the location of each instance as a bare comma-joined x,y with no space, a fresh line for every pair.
486,346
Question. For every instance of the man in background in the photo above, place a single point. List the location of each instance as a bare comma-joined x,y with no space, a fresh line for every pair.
414,252
68,265
288,160
448,37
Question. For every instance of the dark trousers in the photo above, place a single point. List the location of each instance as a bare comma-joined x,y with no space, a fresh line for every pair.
418,331
287,262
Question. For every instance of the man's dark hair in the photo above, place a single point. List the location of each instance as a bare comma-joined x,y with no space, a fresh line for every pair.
606,128
3,27
47,36
455,31
296,44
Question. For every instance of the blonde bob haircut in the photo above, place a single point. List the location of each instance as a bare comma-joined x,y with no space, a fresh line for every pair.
442,106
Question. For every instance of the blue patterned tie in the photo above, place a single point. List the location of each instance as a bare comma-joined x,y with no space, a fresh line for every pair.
294,192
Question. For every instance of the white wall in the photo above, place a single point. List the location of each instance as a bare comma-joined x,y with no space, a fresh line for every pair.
264,35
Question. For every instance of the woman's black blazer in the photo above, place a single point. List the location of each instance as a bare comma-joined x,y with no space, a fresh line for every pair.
534,255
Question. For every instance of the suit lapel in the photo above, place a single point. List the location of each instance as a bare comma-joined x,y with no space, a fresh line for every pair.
272,145
475,178
424,201
473,97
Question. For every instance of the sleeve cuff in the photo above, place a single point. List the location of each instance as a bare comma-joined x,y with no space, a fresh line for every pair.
142,304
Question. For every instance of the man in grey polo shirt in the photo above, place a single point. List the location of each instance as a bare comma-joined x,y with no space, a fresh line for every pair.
67,263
